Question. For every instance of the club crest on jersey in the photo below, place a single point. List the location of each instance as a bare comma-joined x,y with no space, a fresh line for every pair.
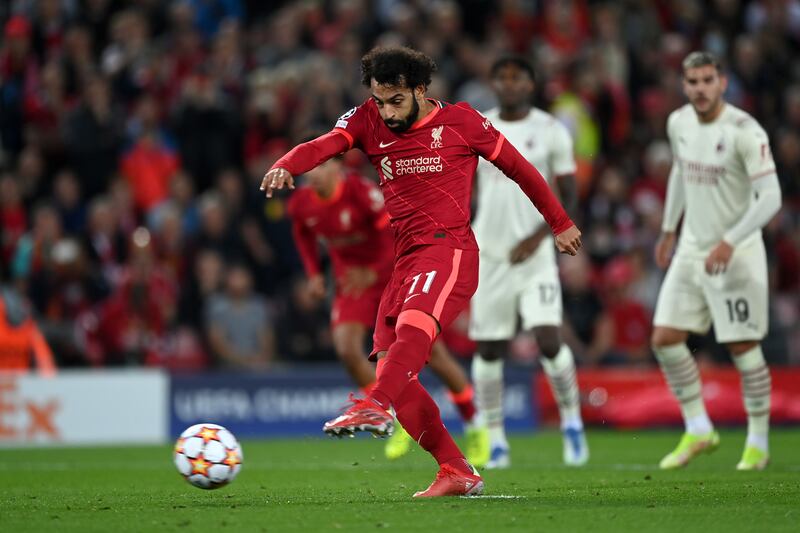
720,147
436,135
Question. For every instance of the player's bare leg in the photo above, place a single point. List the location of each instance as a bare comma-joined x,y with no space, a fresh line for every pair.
348,341
680,371
756,389
559,367
461,393
487,375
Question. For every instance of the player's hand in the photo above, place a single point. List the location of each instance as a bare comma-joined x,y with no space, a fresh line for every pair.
569,241
275,179
664,247
717,261
316,286
357,279
526,247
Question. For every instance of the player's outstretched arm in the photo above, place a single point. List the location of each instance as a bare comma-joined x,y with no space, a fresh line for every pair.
533,184
303,158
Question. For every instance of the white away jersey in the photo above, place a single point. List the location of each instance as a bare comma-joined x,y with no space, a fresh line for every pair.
505,215
717,163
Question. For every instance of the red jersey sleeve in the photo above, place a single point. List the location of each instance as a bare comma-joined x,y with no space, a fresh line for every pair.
306,156
304,239
490,144
478,131
346,134
353,125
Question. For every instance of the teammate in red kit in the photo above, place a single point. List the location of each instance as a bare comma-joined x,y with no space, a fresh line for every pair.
426,152
347,213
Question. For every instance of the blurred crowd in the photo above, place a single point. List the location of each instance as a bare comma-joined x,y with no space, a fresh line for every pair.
134,135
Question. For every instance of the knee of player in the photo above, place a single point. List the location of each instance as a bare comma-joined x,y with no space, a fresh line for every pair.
549,346
663,337
549,341
492,350
413,323
739,348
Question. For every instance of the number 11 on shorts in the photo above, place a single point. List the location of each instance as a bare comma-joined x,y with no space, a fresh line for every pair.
426,287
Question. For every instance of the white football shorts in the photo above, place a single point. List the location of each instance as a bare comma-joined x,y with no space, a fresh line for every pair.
736,301
530,290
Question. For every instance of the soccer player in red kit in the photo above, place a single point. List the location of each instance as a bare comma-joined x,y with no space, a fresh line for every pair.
426,152
347,213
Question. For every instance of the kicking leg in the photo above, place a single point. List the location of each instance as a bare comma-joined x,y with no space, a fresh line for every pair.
462,395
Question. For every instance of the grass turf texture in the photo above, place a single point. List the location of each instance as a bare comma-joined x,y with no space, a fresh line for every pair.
315,484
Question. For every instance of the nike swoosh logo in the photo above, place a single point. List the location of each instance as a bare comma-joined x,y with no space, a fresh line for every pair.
385,145
412,296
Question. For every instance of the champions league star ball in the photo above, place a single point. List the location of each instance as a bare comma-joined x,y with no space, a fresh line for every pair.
208,456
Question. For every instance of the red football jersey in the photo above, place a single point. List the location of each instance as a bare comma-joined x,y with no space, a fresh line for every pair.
427,172
352,223
437,158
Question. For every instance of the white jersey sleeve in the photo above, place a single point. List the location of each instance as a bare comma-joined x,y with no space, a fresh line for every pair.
752,144
675,202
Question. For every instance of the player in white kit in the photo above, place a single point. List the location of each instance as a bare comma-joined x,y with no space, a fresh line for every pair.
519,274
723,181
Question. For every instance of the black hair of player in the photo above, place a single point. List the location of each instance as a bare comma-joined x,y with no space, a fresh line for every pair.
516,61
397,66
701,58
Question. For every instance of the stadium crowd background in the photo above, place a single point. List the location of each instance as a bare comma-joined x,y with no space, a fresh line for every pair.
134,135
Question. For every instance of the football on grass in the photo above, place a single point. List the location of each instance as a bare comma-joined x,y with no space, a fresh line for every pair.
208,456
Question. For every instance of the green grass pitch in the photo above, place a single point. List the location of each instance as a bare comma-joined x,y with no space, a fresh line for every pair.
328,485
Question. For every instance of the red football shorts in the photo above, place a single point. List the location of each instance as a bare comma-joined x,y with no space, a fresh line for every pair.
359,309
434,279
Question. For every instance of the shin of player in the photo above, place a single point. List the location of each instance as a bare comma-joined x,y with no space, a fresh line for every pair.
461,393
519,275
724,184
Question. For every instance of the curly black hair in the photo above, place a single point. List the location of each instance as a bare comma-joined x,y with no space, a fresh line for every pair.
398,66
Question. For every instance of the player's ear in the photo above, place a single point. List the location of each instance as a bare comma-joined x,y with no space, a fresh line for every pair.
419,91
723,82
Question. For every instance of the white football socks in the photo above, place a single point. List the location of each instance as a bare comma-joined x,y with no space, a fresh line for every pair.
680,370
487,378
756,389
560,372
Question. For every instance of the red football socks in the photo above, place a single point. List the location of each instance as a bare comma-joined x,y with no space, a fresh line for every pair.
406,357
420,417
